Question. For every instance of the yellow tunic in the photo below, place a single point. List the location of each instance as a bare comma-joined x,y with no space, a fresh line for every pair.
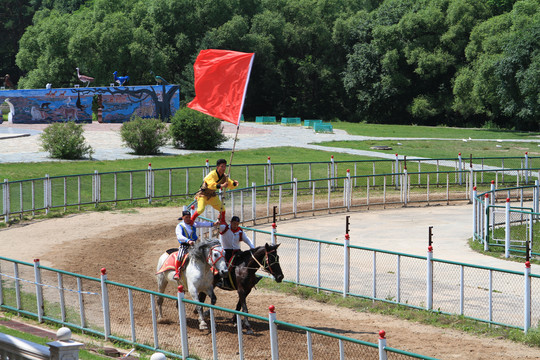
207,193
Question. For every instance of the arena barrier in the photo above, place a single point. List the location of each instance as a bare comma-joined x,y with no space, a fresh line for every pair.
360,184
128,314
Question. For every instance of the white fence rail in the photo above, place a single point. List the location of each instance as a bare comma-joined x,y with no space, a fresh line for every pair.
373,182
126,313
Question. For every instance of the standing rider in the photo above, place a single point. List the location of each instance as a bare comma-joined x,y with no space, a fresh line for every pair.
215,180
186,233
231,236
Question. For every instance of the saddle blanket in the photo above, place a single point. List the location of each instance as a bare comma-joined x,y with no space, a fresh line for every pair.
170,263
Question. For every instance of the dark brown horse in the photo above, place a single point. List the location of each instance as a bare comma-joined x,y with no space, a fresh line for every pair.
242,277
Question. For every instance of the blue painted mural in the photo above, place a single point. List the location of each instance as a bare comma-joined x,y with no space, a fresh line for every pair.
114,104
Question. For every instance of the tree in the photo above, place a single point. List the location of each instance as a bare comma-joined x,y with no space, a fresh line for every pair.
498,83
15,17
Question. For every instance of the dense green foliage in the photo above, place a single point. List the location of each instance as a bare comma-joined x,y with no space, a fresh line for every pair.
452,62
144,136
196,131
65,141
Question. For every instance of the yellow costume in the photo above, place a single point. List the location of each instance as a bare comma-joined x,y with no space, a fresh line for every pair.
207,194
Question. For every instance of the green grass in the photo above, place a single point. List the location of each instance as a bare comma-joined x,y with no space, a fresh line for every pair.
432,318
412,131
439,149
22,171
498,251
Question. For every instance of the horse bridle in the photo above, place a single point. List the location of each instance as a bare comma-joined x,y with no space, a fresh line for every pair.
209,258
266,262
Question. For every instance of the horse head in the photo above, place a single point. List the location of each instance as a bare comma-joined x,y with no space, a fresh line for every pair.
271,262
212,253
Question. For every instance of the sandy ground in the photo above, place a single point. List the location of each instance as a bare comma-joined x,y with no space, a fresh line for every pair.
97,238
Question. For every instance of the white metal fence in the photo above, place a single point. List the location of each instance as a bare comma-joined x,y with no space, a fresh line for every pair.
128,314
373,182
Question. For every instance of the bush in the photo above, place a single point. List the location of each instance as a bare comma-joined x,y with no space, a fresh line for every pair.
144,136
65,141
196,131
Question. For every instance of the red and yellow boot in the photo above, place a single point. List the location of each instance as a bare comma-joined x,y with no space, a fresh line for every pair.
177,273
194,216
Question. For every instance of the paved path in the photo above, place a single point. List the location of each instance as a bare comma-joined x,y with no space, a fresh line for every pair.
20,142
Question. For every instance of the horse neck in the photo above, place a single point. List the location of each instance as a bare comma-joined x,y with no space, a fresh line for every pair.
255,260
200,262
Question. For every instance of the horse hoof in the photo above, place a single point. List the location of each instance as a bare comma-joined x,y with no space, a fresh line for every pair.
203,326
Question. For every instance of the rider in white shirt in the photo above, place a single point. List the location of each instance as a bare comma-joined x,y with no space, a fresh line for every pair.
230,237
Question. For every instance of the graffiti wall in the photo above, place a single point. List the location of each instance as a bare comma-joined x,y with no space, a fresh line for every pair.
109,104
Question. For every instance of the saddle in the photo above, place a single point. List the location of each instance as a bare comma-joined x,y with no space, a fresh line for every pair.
170,262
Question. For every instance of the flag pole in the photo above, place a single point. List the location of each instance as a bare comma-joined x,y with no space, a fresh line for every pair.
234,144
240,114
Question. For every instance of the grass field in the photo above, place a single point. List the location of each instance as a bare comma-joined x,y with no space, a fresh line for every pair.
412,131
438,149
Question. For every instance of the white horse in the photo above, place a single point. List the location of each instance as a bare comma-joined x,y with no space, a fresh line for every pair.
197,276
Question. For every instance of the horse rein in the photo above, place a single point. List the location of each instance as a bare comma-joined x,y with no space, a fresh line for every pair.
266,260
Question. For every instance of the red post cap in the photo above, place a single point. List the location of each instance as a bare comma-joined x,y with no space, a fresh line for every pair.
430,248
103,271
396,154
274,225
348,170
527,264
382,334
269,158
192,207
526,152
493,181
180,288
332,156
149,164
347,237
36,260
272,309
459,154
474,188
487,195
507,199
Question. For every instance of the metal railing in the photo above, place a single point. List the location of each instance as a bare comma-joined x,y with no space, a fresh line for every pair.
487,294
128,314
439,176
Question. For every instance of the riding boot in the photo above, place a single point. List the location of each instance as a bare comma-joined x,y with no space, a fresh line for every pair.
177,273
222,218
194,216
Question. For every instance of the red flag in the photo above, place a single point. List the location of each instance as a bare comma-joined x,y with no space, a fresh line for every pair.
221,78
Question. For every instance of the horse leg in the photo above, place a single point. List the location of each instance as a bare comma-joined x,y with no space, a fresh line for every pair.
202,323
202,298
162,284
242,295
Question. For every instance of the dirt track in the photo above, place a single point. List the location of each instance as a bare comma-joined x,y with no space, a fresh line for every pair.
87,242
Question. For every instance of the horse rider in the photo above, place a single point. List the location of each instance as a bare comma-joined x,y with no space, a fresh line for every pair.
214,181
231,236
186,233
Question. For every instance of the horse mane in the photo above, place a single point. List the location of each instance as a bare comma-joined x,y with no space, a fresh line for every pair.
201,248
